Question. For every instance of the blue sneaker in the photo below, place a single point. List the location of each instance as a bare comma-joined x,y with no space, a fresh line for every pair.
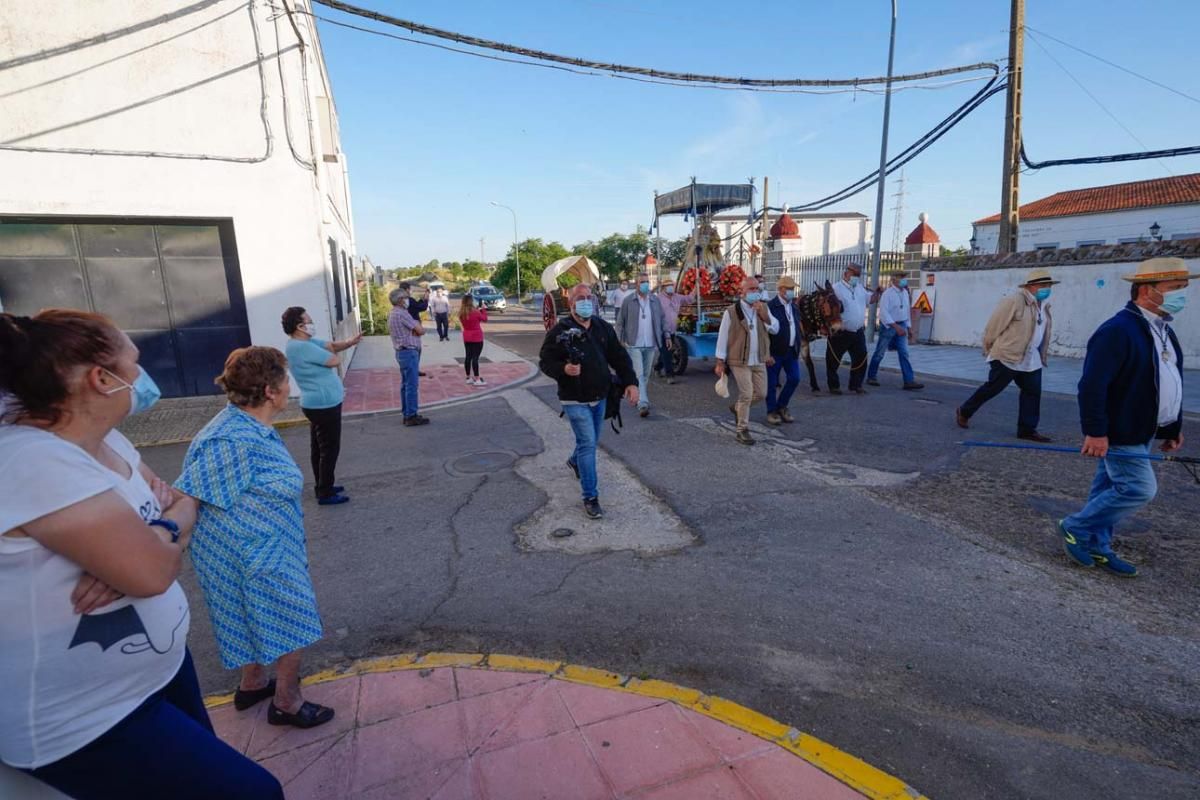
1077,552
333,500
1114,563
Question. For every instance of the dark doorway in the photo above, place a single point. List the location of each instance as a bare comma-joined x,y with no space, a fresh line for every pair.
173,285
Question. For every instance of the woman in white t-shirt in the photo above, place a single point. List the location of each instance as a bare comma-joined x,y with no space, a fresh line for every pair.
98,695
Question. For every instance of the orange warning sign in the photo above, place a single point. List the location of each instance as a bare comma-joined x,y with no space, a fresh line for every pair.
923,303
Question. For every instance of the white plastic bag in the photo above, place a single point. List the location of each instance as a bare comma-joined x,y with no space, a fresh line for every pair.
722,386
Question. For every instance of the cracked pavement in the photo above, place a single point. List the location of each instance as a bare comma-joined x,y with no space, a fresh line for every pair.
930,627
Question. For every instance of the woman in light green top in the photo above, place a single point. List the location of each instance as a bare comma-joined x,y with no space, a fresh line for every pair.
314,364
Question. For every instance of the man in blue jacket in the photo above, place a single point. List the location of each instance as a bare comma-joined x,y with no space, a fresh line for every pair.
1131,393
785,349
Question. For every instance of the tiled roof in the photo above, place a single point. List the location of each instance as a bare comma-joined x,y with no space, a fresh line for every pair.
1117,197
923,234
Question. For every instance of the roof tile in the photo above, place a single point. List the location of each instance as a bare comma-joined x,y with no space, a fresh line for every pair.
1117,197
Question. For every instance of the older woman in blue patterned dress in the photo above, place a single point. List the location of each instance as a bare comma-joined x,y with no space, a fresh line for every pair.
248,546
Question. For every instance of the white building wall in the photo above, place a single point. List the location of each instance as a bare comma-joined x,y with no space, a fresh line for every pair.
183,80
819,236
1088,295
1110,228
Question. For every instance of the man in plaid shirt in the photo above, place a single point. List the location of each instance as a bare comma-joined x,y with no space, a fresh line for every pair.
406,333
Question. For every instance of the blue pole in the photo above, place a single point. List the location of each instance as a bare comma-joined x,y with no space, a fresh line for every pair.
1061,449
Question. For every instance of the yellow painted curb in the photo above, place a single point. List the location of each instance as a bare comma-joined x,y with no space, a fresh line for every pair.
854,772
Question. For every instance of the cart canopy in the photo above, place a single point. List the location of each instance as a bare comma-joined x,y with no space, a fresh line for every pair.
581,267
704,198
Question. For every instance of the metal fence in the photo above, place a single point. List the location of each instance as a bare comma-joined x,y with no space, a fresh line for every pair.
818,269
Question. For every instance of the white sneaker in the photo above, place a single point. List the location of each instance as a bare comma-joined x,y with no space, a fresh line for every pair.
480,382
470,381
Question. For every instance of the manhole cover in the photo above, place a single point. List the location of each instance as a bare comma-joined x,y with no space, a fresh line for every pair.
482,462
562,533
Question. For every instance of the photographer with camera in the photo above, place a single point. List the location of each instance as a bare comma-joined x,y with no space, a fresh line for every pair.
581,353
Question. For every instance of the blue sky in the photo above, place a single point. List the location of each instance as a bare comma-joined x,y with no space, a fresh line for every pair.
432,136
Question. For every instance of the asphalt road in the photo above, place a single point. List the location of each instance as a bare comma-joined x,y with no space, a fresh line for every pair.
861,577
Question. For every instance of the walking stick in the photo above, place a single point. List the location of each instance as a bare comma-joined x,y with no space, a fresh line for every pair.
1192,465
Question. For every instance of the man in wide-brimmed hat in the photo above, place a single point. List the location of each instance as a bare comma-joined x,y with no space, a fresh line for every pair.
1015,343
1131,393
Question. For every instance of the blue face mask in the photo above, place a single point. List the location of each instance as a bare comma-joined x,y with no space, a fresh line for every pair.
583,309
144,391
854,280
903,283
670,290
644,287
1042,295
1173,302
790,294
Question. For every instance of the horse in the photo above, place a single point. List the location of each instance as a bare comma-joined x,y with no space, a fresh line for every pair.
820,315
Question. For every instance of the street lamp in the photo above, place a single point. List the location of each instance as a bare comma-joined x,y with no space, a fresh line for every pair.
883,145
974,242
1156,232
516,247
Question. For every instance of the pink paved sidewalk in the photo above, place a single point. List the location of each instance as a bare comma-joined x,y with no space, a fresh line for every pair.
378,389
455,733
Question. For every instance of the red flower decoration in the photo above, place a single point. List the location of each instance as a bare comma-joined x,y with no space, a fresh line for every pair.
687,282
730,284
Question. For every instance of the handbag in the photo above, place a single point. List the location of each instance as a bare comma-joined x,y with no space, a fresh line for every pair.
722,385
612,405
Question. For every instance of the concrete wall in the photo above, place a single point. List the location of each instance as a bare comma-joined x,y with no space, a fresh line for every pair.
128,108
1088,295
1111,228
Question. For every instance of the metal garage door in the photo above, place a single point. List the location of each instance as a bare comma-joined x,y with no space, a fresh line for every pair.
174,287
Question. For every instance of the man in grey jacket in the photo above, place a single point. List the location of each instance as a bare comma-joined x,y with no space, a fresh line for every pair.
640,329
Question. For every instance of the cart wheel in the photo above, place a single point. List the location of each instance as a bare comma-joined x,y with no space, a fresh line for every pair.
549,312
680,355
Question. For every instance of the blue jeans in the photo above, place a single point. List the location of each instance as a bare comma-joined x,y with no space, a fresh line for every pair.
643,363
410,380
790,367
666,364
888,335
164,748
585,422
1121,487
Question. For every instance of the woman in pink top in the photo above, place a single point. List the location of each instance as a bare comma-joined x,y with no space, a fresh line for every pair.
472,319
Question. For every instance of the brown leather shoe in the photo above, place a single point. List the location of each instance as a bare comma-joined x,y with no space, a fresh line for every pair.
744,437
774,418
786,415
1034,436
961,418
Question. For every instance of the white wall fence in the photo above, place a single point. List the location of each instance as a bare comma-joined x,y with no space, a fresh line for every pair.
1088,295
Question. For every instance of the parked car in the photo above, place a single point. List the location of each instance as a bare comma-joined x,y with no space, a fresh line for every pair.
489,297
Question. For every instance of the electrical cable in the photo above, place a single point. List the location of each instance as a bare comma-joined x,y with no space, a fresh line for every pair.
1102,60
645,72
1093,97
1172,152
287,116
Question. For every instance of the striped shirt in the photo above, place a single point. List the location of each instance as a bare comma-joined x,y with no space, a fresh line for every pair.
400,327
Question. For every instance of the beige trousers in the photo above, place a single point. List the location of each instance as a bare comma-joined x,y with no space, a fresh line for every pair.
752,388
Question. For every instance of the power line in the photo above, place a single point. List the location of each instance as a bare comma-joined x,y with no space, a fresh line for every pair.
1173,152
662,82
1095,99
1115,65
644,72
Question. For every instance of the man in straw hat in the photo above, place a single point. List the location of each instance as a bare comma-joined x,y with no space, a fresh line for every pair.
1014,343
1131,393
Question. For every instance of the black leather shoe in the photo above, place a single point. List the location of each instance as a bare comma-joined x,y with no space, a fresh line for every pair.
1034,436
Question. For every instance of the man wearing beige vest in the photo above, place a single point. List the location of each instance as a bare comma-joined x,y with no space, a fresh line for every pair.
1015,343
744,347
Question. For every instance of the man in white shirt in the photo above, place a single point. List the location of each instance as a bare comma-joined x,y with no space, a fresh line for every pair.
439,307
786,345
744,345
851,338
640,329
894,320
1015,343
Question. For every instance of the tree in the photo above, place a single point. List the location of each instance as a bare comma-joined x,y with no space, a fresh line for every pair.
620,256
473,270
374,322
674,253
535,255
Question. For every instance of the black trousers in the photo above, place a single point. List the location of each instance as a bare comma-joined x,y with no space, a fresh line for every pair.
836,346
1030,384
471,362
443,325
325,442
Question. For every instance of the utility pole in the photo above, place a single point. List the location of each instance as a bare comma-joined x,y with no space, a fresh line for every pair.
1010,203
481,240
764,230
883,146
